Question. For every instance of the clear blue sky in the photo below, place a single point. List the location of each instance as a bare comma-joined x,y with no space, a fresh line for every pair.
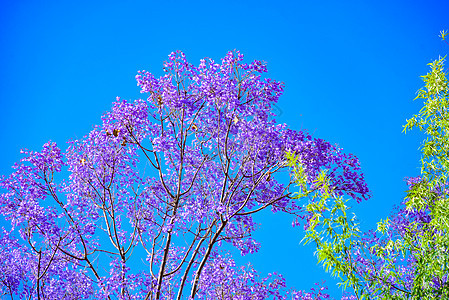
351,70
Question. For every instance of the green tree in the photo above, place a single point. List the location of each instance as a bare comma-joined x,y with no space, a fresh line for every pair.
407,257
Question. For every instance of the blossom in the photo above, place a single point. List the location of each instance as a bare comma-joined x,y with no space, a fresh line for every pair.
170,177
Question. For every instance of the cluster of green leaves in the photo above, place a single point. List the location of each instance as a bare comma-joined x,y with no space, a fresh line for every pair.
431,193
326,218
328,225
401,261
340,246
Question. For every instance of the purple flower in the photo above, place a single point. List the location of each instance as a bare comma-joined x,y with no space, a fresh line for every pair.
152,193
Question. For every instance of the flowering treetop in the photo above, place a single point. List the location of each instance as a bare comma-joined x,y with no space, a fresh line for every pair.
170,177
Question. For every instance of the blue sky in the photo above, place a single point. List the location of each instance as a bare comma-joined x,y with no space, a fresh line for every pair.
351,70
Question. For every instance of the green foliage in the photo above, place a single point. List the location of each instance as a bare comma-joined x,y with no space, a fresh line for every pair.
299,174
443,34
340,248
433,120
329,227
432,192
423,244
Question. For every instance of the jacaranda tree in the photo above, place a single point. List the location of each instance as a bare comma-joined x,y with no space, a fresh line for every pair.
407,257
142,207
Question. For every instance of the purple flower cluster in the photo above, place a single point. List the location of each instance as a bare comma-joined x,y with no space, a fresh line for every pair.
168,179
